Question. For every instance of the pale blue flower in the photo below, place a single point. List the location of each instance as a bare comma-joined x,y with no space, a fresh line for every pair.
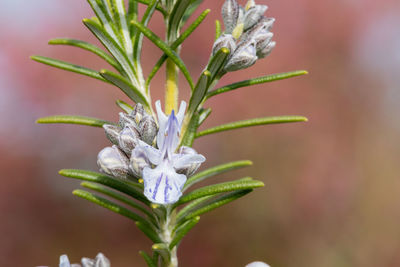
162,184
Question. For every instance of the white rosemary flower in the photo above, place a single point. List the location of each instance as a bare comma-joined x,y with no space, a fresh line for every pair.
162,184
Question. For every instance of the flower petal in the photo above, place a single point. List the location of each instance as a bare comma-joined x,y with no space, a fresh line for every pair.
162,123
181,161
152,153
181,113
163,185
64,261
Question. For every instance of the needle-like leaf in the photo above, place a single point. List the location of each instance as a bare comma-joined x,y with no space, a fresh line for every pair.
251,122
241,184
165,48
218,30
108,205
89,47
126,86
259,80
69,67
124,106
117,196
199,91
215,171
183,230
69,119
148,259
217,202
177,43
105,180
114,48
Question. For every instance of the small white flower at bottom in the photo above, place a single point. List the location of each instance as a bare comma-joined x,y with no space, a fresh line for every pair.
257,264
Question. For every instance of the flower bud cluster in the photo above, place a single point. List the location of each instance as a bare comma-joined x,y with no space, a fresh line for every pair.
99,261
247,34
134,127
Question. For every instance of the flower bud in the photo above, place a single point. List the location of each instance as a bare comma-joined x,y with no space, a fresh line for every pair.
253,15
99,261
112,133
137,112
148,129
113,161
244,56
230,14
267,50
225,40
125,119
262,40
138,162
192,168
128,139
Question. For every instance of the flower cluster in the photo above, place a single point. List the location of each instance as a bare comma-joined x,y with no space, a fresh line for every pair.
247,34
132,128
133,155
99,261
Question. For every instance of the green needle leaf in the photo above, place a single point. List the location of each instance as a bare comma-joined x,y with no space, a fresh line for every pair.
69,119
89,47
215,171
191,9
217,62
199,91
117,196
105,180
126,86
240,184
124,106
203,115
113,48
108,204
216,203
145,21
68,66
163,250
183,230
178,42
148,231
165,48
251,122
191,130
148,259
259,80
176,16
218,30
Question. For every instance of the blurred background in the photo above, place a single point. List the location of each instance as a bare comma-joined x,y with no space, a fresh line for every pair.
332,194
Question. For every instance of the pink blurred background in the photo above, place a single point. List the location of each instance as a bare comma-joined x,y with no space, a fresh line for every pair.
332,194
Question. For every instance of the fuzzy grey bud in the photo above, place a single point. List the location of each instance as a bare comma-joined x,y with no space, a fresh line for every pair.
267,50
128,139
225,40
192,168
262,40
148,129
253,15
113,161
112,133
230,14
244,56
137,112
99,261
125,119
241,15
139,161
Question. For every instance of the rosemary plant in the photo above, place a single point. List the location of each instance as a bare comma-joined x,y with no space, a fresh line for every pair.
148,172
